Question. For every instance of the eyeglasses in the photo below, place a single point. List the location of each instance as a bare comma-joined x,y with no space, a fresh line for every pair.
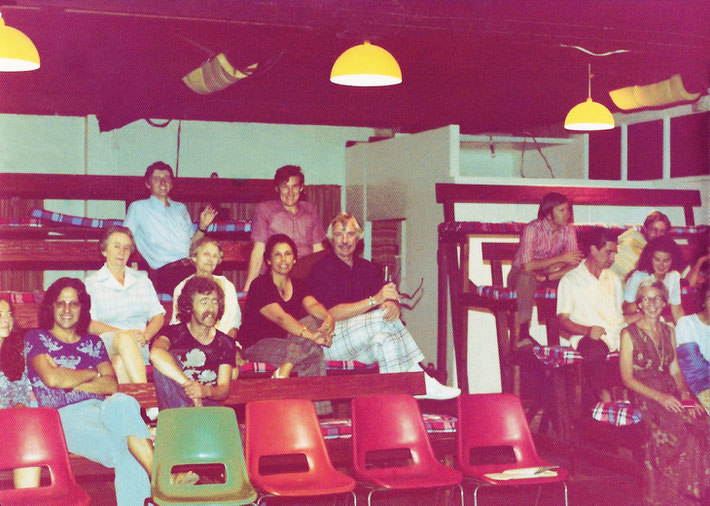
656,299
74,304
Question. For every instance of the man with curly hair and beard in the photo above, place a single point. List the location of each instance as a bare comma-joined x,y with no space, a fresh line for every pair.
193,361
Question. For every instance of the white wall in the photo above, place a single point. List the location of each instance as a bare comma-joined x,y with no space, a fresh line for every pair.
507,159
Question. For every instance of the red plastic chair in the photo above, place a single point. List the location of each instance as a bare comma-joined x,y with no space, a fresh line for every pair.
283,431
392,424
498,420
34,437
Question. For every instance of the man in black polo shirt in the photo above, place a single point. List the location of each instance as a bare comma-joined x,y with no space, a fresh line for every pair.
366,310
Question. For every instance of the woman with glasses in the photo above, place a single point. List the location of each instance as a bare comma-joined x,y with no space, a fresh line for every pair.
677,430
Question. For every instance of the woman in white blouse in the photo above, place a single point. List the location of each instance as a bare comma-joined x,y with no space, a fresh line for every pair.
207,254
125,310
662,260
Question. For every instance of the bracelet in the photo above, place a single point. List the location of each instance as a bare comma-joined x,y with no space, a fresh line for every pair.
204,231
371,301
303,330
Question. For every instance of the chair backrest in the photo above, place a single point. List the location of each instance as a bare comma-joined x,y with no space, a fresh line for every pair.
384,423
206,435
490,421
281,428
34,437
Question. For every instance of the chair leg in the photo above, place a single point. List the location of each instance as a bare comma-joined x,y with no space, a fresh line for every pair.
460,487
336,499
475,494
369,496
261,498
565,485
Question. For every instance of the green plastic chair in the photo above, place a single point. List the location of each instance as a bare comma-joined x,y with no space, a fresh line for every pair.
207,435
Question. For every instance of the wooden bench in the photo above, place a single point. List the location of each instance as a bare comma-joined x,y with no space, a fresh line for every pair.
453,257
313,388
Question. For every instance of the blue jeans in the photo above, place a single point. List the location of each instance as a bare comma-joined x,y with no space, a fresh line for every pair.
98,430
172,395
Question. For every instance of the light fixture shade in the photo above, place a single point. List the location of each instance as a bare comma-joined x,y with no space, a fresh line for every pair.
589,115
366,65
17,52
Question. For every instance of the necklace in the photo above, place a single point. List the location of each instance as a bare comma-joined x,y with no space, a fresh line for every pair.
283,290
659,352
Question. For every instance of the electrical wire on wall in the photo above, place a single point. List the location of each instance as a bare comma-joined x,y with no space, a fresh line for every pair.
539,150
179,130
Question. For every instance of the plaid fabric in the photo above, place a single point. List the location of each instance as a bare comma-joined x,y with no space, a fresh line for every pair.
20,222
330,365
556,356
23,297
514,228
616,413
505,293
342,427
369,338
44,215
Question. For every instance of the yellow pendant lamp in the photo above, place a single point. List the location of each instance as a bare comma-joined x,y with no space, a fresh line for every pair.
589,115
366,65
17,52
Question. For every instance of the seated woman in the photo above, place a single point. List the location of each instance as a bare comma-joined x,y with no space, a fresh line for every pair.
277,328
14,386
677,455
69,370
207,254
662,260
693,340
125,311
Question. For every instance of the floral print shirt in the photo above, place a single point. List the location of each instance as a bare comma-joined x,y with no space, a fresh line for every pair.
199,361
86,353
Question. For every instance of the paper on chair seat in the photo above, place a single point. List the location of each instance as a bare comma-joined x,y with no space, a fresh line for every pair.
522,473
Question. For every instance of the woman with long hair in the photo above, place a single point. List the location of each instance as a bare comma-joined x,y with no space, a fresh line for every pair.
283,322
14,385
661,260
676,457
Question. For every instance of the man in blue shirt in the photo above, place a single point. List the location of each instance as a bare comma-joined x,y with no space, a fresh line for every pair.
163,229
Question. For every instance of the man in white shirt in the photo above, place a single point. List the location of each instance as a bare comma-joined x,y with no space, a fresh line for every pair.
589,299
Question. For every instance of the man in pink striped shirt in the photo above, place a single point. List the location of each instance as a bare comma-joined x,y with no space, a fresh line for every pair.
548,249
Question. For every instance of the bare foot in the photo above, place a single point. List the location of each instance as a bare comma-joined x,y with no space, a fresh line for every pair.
188,478
284,371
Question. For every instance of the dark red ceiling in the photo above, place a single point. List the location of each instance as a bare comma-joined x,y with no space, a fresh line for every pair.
489,66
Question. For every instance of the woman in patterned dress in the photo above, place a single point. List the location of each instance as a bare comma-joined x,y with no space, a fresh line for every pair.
676,459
